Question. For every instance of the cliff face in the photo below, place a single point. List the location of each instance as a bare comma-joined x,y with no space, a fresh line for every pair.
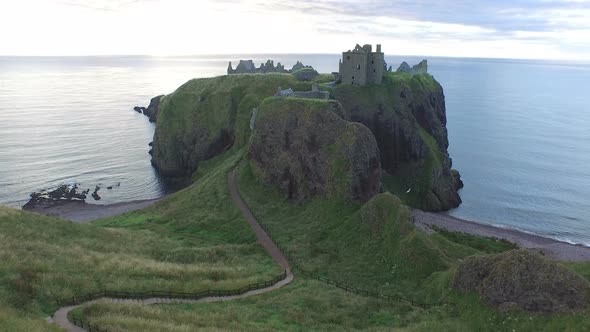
305,148
204,117
407,115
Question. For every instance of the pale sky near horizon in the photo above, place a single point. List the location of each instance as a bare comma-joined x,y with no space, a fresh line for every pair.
535,29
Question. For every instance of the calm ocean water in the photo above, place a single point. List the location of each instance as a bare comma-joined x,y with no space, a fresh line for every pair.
519,131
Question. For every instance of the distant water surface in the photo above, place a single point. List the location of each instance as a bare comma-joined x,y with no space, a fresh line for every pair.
519,131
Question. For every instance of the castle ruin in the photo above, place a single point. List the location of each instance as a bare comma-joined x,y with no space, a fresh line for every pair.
362,66
248,67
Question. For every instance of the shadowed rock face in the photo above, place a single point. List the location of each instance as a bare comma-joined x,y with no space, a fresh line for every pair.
154,107
306,149
204,117
523,279
401,112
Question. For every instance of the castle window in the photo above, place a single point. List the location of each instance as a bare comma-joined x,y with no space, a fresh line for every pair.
358,67
348,57
353,77
372,62
373,70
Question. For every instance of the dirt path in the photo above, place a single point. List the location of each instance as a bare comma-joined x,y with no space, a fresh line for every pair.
263,238
61,316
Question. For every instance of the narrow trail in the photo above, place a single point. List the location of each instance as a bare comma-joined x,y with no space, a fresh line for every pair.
61,315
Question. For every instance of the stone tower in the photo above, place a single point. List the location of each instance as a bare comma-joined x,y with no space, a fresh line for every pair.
362,66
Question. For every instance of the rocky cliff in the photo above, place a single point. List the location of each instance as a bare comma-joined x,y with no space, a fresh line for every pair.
205,117
407,115
307,149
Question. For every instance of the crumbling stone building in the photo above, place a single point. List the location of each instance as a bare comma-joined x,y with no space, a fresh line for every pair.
362,66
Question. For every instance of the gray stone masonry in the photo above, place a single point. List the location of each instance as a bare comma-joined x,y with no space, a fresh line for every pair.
362,66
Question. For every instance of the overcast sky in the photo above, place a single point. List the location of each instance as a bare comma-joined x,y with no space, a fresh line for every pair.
551,29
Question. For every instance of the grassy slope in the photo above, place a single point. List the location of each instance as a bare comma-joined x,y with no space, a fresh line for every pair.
192,240
308,305
323,237
373,246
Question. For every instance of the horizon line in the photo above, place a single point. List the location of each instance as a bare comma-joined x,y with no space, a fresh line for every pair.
583,61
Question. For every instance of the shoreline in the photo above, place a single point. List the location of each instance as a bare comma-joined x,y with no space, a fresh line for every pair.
552,248
81,212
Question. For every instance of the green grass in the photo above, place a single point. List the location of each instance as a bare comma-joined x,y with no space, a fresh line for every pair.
370,247
12,320
309,305
192,240
417,176
483,244
324,78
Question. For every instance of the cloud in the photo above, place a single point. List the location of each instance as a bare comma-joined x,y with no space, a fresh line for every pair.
501,28
103,5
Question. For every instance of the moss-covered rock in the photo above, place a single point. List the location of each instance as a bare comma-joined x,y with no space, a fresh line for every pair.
306,74
307,149
523,279
206,116
407,115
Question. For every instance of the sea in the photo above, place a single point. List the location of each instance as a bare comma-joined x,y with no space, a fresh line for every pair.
519,130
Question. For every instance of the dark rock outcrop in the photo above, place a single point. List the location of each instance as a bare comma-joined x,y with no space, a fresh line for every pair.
153,109
48,198
521,279
306,149
95,193
408,118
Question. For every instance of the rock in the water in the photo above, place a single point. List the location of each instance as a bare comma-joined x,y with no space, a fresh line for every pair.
154,107
95,193
523,279
139,109
306,149
46,198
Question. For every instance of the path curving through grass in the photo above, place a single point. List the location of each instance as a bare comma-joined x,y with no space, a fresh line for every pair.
61,315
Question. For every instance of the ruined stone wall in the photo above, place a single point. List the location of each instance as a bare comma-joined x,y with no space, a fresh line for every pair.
375,68
354,68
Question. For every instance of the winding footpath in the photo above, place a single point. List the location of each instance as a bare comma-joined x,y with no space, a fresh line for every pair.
61,315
